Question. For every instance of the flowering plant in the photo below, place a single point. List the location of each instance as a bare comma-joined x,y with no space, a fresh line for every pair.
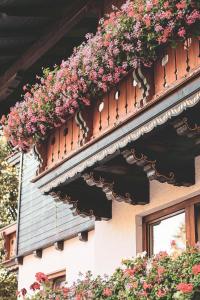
162,277
127,38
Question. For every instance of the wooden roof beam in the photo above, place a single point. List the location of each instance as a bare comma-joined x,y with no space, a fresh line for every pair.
47,41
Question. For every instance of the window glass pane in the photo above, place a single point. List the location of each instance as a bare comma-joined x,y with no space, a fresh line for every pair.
168,234
59,282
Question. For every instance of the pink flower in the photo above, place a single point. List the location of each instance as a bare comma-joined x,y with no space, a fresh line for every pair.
149,5
186,288
161,293
107,292
146,286
181,32
196,269
181,5
129,272
161,270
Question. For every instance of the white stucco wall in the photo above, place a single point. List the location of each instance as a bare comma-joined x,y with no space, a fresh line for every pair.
76,257
110,241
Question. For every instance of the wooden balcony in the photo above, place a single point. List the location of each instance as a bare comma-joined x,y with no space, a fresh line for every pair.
134,94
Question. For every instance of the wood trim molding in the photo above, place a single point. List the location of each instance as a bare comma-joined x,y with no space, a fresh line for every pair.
56,274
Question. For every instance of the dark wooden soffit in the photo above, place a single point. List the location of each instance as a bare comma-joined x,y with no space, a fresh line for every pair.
71,15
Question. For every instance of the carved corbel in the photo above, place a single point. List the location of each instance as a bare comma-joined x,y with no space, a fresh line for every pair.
148,166
58,196
83,127
107,188
83,236
37,253
59,245
183,128
142,83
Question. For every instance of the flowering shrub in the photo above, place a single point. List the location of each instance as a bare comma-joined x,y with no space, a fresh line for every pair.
125,39
162,277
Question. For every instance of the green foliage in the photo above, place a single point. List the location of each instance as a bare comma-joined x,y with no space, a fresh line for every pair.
8,187
8,284
8,214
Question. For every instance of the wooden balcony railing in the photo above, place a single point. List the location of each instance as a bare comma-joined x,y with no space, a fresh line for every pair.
134,93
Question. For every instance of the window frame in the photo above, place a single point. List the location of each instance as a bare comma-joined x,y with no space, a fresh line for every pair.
187,206
56,275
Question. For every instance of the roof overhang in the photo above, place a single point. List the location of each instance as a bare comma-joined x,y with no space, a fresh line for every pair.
172,106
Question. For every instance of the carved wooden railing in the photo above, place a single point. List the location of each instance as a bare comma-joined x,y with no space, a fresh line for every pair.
134,93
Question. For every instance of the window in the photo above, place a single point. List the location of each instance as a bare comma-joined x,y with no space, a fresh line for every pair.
58,279
172,228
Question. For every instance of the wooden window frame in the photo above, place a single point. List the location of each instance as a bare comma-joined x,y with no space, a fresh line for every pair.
54,276
187,206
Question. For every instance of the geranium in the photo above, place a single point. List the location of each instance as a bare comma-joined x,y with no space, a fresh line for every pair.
35,286
127,38
107,292
196,269
185,287
41,277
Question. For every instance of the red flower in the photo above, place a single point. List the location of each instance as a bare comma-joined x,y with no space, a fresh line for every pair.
186,288
146,286
23,292
107,292
196,269
41,277
35,286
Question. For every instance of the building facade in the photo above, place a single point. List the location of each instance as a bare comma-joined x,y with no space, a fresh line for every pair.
119,178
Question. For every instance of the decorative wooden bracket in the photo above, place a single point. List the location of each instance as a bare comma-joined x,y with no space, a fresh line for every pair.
59,245
19,260
40,153
89,202
142,84
183,128
38,253
83,236
73,205
148,166
107,188
83,127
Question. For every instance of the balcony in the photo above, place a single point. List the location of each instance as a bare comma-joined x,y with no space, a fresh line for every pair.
135,94
147,128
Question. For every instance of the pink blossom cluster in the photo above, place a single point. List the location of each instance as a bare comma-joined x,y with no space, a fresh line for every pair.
127,38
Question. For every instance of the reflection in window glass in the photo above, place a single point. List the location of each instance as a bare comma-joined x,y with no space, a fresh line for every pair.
59,282
168,234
